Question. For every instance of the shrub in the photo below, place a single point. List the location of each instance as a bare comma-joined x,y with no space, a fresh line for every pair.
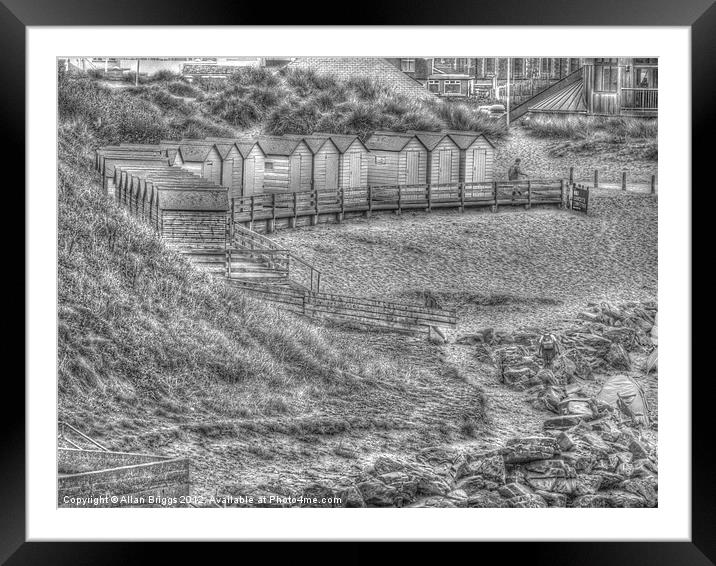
289,119
366,88
180,88
164,76
235,110
253,76
307,81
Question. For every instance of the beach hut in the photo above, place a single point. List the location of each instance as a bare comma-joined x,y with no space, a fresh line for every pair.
443,157
326,162
477,156
242,166
353,160
396,159
200,158
288,166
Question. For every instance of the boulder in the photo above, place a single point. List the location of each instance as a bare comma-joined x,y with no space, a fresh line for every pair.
643,487
565,441
530,500
553,499
458,497
526,449
377,494
512,490
595,500
566,486
513,376
588,484
474,484
562,422
625,499
491,468
486,499
350,497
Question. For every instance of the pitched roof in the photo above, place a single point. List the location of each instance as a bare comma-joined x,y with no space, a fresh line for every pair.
389,141
244,145
465,139
567,100
278,146
341,141
430,139
194,152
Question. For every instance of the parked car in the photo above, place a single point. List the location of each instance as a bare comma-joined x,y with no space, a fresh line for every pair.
493,110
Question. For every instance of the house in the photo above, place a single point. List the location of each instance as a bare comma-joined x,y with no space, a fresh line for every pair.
353,161
288,166
396,159
477,156
617,86
243,163
326,162
200,157
443,157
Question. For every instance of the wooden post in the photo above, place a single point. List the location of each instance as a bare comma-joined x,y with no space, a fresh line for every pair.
314,218
253,206
136,77
571,175
271,224
624,181
461,192
561,193
430,195
400,201
529,195
494,190
653,184
370,201
231,219
596,178
292,221
343,204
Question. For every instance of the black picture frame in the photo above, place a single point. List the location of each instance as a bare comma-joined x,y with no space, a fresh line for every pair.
699,15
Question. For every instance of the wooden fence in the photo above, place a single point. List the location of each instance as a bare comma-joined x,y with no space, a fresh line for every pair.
292,205
360,311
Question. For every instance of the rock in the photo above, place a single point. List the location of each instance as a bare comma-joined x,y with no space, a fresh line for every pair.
458,497
565,441
625,499
565,486
474,484
406,485
595,443
518,450
562,422
642,487
434,484
547,377
551,398
530,500
608,463
609,479
588,484
553,499
377,494
595,500
513,376
512,490
581,407
549,469
491,468
486,499
643,468
435,501
350,497
617,357
318,492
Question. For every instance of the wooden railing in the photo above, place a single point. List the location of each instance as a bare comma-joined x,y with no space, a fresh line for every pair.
640,98
274,206
259,247
355,310
64,429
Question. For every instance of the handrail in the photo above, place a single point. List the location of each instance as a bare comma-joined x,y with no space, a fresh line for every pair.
64,425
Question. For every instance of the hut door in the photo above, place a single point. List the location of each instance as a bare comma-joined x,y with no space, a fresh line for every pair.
331,172
413,161
295,181
227,172
445,172
479,165
250,175
355,164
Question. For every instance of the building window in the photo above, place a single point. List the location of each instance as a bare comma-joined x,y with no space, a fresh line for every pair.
407,65
518,68
607,77
268,165
434,86
490,66
453,87
653,61
379,160
646,77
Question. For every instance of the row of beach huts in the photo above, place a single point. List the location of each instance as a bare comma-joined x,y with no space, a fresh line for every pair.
249,166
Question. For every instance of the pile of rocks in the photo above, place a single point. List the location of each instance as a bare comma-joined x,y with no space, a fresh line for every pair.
586,466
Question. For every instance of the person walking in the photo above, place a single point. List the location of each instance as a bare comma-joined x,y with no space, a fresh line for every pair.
548,348
513,174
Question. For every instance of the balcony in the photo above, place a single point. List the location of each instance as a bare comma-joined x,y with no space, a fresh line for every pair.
640,100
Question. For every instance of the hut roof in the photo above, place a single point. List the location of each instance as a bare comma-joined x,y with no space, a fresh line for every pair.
430,139
465,139
278,145
389,141
568,100
195,152
341,141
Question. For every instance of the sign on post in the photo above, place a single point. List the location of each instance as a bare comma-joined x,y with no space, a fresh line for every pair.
580,198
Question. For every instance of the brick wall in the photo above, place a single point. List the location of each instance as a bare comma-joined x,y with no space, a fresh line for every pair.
359,67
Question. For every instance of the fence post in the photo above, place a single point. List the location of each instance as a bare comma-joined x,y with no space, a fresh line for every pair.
314,218
653,184
343,204
461,191
253,206
529,195
596,178
400,201
430,195
571,175
624,181
271,224
561,193
494,191
370,201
